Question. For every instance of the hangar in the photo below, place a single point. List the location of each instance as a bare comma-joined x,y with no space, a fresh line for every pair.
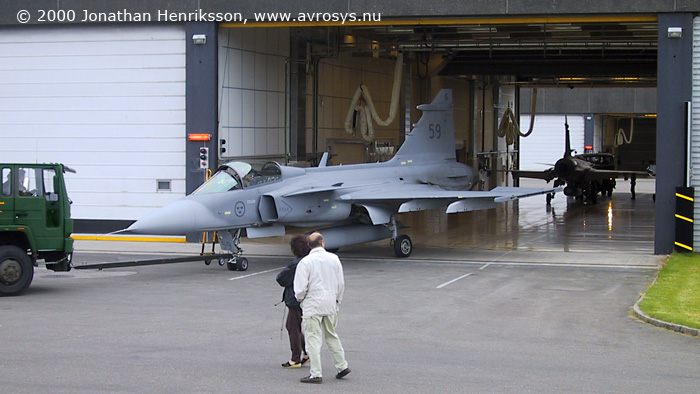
125,102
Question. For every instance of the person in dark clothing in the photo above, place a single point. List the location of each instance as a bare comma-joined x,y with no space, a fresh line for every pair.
300,248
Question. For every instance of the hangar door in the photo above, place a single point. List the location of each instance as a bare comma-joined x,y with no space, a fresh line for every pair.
108,101
541,149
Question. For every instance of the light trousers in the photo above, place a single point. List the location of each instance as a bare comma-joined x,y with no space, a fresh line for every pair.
316,329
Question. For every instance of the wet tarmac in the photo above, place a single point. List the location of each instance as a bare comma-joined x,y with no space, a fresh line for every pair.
614,224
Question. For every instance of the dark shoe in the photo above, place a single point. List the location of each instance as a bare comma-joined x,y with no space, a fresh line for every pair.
311,379
305,360
343,373
291,364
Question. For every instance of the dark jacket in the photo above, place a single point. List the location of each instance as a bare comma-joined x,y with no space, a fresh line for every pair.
286,280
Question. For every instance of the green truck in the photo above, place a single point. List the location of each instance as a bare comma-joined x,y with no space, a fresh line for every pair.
35,223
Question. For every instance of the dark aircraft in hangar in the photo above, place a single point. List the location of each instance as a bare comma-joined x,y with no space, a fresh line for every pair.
583,176
355,203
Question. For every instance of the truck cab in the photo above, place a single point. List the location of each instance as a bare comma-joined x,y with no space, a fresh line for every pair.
35,223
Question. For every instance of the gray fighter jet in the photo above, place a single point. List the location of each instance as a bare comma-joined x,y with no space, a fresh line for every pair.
356,203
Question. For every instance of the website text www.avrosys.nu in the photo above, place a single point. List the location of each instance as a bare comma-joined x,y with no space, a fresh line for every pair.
332,17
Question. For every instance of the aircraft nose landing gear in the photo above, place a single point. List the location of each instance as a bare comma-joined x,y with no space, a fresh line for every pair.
237,264
231,242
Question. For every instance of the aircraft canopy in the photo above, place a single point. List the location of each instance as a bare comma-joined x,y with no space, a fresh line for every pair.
240,175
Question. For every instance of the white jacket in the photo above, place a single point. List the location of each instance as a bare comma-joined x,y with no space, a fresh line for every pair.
319,283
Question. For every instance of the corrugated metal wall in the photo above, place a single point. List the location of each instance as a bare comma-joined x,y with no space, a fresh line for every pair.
108,101
695,137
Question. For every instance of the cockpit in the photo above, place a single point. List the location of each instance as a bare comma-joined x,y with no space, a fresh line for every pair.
240,175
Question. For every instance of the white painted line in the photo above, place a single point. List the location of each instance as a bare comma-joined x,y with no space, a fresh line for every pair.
257,273
453,280
484,266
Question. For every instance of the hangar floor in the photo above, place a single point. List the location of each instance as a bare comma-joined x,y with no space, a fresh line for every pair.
618,231
615,224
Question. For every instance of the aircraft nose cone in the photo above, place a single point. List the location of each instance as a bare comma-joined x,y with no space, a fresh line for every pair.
177,218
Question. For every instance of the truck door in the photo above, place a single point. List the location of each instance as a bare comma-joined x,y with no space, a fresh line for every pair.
37,206
7,206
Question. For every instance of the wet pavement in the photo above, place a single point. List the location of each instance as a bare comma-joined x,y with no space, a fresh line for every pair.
617,224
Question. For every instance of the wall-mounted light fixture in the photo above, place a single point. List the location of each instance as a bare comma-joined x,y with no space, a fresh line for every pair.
199,39
675,32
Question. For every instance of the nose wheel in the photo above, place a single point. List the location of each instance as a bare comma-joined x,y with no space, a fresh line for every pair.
231,242
237,264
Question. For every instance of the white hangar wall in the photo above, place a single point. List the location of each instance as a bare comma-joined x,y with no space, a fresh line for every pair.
108,101
252,87
541,149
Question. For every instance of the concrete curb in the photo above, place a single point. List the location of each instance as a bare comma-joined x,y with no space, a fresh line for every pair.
660,323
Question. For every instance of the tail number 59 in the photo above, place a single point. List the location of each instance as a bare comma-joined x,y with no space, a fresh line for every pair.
435,132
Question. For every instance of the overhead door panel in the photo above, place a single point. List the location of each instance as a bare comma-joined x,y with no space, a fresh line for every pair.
106,100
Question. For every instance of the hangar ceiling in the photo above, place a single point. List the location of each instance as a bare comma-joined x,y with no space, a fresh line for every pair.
606,53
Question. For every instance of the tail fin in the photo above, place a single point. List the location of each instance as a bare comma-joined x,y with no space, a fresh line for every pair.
324,160
567,151
434,135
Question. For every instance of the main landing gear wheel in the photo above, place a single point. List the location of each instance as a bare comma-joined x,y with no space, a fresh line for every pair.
239,264
16,270
403,246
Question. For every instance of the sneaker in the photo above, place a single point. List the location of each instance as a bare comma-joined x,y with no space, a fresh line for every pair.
311,379
291,364
343,373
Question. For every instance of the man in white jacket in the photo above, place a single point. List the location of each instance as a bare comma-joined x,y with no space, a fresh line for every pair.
319,286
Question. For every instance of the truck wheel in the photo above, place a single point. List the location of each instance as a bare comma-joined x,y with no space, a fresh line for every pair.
16,270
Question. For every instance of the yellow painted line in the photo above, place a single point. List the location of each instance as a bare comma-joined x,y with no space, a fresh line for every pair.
122,238
684,246
458,21
684,197
684,218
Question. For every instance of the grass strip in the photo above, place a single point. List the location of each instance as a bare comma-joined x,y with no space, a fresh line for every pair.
675,297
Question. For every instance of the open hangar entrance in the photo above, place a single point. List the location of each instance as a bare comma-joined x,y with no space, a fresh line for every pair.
491,64
486,62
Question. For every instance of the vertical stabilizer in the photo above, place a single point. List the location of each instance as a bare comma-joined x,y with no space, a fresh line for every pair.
433,136
324,160
567,151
